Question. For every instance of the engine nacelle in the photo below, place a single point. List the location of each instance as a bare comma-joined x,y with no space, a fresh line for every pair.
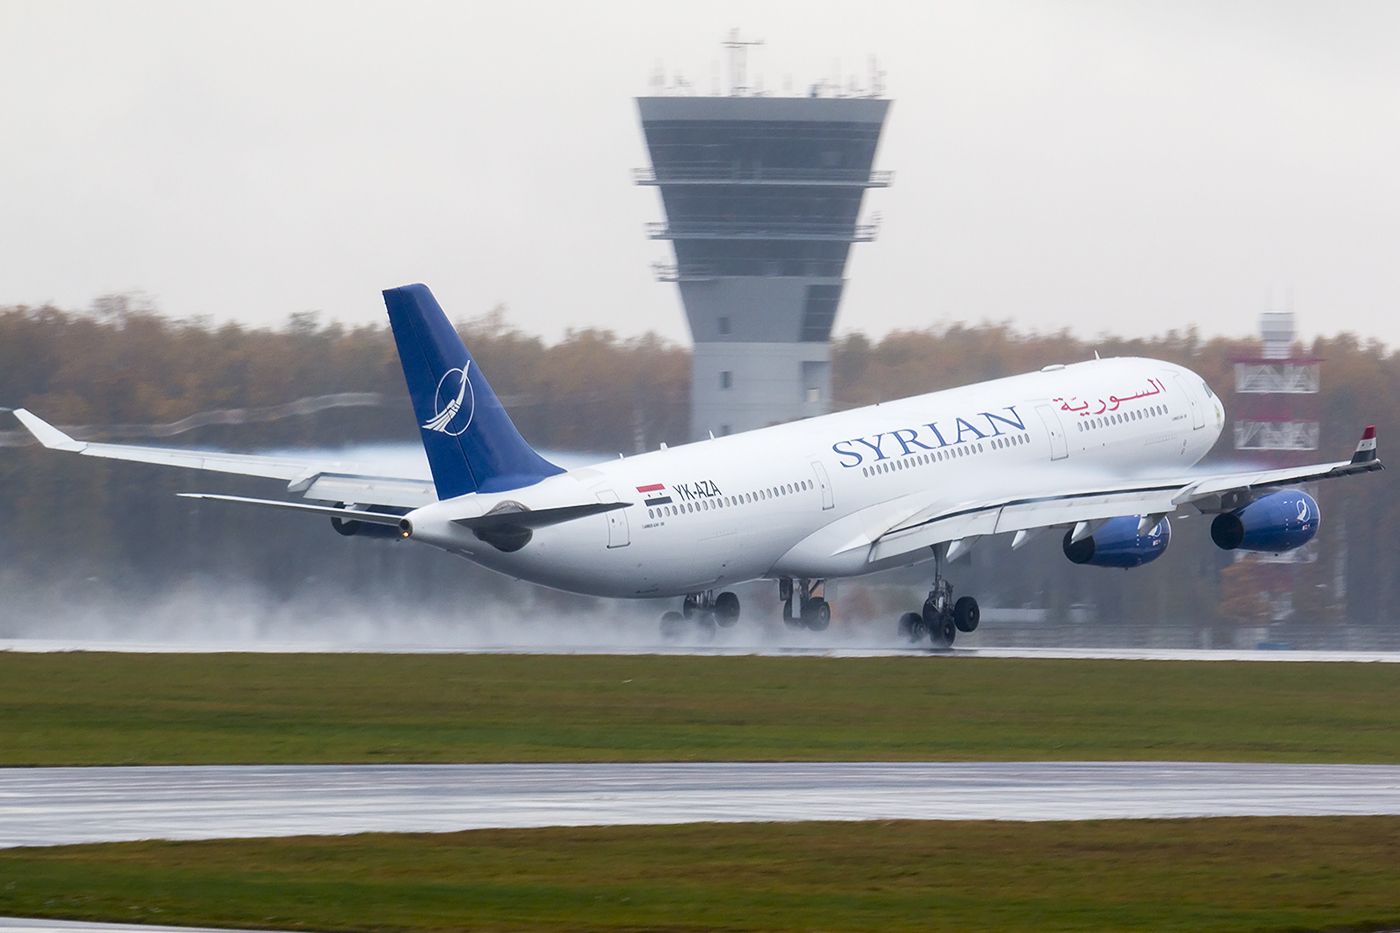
1116,543
1280,521
354,528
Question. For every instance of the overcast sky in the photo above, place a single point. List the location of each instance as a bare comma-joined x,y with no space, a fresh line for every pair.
1125,167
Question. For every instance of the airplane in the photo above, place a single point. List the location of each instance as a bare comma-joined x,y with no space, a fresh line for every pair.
1102,449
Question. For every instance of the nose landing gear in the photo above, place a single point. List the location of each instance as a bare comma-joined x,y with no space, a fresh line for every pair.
813,611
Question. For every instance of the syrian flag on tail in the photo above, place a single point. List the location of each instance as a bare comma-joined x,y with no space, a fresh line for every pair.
655,493
1366,450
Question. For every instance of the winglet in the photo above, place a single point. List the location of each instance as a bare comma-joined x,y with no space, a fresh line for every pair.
46,434
1365,450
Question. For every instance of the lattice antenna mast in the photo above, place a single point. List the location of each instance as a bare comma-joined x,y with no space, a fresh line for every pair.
738,62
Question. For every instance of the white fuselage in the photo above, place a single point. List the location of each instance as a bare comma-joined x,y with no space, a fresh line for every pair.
805,499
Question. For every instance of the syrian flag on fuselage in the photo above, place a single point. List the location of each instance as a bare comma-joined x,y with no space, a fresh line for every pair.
655,493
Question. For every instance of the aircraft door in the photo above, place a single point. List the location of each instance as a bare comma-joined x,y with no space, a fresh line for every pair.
1059,445
1198,416
619,533
824,483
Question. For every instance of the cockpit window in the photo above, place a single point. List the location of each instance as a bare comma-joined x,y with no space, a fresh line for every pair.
1206,386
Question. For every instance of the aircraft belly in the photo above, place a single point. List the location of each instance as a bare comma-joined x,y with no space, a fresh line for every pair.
576,559
679,563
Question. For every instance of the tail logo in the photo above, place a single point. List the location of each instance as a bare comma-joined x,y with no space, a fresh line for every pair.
454,403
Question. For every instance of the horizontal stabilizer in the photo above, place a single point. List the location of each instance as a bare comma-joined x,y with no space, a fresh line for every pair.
537,518
359,515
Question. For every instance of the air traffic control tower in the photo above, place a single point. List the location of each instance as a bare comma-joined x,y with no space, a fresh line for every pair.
762,198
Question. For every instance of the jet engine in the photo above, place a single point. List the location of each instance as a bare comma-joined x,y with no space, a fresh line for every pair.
1280,521
1116,543
353,527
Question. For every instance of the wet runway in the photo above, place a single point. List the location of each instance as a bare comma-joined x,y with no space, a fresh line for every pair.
844,649
31,925
50,806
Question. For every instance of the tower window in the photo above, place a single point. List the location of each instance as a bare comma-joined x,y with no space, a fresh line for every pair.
724,326
726,379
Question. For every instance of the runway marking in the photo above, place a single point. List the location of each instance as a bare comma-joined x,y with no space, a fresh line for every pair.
53,806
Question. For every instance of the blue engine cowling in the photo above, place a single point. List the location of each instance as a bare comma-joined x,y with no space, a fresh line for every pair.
1280,521
1116,543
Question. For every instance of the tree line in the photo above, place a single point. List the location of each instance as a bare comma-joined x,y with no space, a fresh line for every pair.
124,372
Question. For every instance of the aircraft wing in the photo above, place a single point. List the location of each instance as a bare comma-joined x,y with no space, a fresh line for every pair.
1082,509
321,482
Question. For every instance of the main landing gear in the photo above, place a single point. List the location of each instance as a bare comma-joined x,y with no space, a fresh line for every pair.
941,617
813,611
701,611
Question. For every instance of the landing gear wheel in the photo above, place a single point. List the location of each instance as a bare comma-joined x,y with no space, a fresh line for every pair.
966,615
813,611
912,628
726,609
816,615
673,625
941,615
690,606
704,624
944,633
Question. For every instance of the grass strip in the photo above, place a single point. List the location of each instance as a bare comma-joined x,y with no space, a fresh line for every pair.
1199,875
80,709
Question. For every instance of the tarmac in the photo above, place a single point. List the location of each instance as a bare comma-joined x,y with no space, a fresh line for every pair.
55,806
728,649
32,925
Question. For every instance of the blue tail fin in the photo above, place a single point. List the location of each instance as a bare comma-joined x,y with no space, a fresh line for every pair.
472,444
